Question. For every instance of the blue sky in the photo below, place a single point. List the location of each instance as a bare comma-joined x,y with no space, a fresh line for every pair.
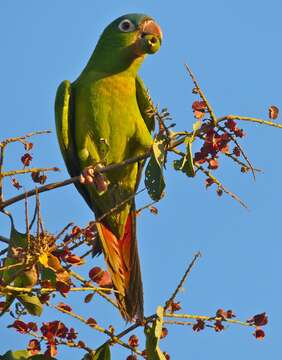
234,49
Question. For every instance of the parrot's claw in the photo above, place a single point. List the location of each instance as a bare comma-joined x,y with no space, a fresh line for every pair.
88,175
91,176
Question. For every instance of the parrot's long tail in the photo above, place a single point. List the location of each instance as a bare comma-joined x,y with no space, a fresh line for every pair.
123,263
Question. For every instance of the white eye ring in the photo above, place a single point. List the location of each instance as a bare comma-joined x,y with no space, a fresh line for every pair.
126,25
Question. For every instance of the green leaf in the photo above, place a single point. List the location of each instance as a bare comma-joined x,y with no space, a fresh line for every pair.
102,353
48,274
153,335
185,164
154,180
197,125
17,240
159,149
31,303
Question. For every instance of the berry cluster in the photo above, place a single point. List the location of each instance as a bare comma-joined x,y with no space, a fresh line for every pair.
54,333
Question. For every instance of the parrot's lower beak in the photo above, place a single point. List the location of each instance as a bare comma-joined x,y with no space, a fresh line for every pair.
150,38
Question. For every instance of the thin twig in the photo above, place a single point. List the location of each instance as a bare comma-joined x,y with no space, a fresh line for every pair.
234,158
4,239
83,281
97,327
234,196
13,289
19,138
202,95
207,318
182,281
26,171
175,322
250,119
240,148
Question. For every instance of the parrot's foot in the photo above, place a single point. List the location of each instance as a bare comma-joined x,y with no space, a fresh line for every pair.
91,176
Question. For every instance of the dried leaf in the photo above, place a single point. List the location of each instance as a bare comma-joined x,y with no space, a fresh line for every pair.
89,297
16,183
153,210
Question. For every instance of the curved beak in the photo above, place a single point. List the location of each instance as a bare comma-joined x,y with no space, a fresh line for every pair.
150,27
150,38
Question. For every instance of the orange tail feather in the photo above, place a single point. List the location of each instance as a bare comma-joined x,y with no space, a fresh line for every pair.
122,258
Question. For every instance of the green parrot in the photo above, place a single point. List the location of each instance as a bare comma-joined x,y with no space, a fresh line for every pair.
105,117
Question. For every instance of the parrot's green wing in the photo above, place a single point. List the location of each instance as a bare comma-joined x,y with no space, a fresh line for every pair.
65,127
145,104
146,108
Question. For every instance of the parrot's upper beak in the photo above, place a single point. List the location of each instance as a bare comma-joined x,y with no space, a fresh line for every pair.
150,38
150,27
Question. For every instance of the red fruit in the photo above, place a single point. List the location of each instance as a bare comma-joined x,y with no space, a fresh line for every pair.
38,178
259,334
26,159
91,322
213,164
28,146
259,319
220,313
239,133
236,151
174,306
133,341
64,307
72,334
81,344
132,357
199,325
73,259
200,158
89,233
96,274
219,191
230,124
20,326
34,346
199,105
199,108
54,329
230,314
208,182
75,231
62,287
218,326
273,112
105,280
44,298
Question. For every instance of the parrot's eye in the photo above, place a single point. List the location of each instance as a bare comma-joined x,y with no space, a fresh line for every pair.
126,26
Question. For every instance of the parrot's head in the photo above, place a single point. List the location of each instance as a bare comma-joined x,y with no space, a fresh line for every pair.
129,37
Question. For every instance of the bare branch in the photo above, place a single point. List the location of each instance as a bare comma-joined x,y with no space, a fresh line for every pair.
182,281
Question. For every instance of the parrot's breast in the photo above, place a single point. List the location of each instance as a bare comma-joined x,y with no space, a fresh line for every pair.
107,119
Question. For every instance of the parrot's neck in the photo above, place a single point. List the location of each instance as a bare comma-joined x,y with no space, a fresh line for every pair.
108,61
